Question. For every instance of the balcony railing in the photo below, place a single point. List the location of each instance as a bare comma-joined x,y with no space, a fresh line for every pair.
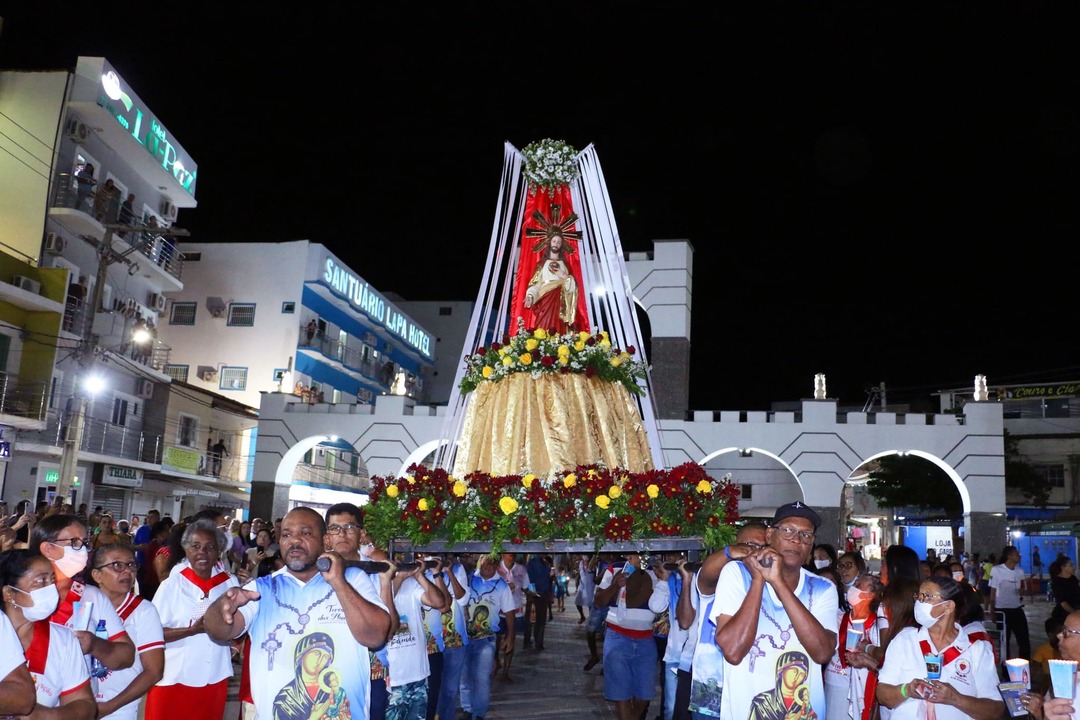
102,438
26,400
322,475
349,357
104,206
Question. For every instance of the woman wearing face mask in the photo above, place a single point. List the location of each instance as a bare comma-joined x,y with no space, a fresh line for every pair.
938,667
850,565
53,655
824,556
862,630
61,539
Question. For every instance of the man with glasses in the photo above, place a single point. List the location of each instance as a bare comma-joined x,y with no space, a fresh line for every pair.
346,536
768,609
62,540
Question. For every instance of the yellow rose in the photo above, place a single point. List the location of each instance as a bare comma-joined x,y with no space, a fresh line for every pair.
564,359
486,372
502,351
525,358
531,344
507,360
605,343
540,333
527,481
615,362
583,336
704,486
570,480
579,346
614,491
422,504
564,351
603,334
508,505
460,489
653,491
392,491
603,501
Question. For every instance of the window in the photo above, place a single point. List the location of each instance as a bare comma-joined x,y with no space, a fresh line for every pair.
233,378
1055,475
279,374
177,372
747,492
242,314
446,310
187,431
288,308
191,256
182,313
124,410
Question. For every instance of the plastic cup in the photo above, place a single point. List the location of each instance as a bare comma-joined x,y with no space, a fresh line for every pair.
855,633
1062,673
1019,671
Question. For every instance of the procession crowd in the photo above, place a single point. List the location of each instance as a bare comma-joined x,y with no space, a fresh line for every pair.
321,624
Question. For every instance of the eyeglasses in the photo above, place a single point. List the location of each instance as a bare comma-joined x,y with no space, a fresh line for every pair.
344,528
77,543
925,597
1065,632
119,567
845,565
790,533
753,545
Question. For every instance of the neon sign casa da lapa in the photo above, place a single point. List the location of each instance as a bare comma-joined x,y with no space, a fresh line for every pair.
361,296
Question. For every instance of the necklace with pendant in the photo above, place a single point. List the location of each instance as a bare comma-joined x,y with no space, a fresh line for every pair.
272,644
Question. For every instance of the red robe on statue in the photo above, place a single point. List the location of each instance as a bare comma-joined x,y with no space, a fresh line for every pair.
545,312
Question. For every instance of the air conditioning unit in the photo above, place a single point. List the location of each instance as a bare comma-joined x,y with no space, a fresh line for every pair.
144,388
168,210
77,130
209,375
54,243
27,284
157,303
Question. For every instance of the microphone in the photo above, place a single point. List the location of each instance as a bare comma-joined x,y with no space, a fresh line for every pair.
372,567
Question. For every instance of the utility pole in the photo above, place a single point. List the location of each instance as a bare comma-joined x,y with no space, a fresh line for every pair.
87,349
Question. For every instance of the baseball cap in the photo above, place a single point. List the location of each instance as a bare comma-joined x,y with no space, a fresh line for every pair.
796,509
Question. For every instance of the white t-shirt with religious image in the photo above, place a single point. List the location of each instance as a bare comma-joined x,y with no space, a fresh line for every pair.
777,678
143,625
407,649
303,655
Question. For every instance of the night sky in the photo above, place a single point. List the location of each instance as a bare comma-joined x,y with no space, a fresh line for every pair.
878,194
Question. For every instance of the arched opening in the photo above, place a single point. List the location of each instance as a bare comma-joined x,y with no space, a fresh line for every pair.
765,481
321,470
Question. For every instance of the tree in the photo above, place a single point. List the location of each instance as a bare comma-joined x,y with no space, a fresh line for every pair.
911,481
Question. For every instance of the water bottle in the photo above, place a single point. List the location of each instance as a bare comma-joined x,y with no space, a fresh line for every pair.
97,669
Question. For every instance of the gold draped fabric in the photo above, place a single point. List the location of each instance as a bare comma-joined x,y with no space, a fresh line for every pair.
555,422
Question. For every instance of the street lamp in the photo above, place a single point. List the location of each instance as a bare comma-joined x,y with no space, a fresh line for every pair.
107,255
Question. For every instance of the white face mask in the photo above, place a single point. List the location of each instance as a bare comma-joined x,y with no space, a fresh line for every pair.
855,596
922,613
73,561
958,576
821,563
45,601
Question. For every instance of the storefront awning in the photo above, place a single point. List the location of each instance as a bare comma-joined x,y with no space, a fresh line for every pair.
226,496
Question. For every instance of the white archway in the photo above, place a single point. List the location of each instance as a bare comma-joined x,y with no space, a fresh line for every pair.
961,486
420,453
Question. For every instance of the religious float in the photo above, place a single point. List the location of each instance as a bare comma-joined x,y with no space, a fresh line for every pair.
552,442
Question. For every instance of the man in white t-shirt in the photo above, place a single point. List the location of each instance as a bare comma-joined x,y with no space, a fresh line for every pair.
309,629
16,685
407,649
776,624
1006,580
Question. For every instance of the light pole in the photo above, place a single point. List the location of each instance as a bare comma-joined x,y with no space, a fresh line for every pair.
87,349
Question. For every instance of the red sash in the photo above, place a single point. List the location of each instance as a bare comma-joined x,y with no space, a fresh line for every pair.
38,652
131,602
205,585
67,606
950,654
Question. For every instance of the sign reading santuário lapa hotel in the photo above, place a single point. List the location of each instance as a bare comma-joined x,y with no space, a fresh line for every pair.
344,283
